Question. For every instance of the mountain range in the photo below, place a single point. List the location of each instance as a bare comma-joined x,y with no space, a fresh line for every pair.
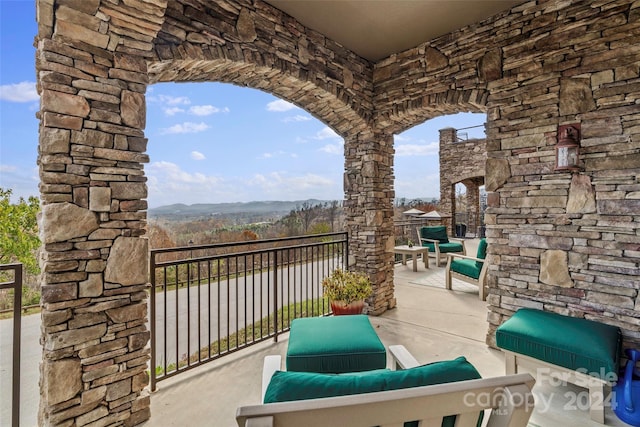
276,208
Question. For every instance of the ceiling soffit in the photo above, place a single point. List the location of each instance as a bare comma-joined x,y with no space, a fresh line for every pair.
375,29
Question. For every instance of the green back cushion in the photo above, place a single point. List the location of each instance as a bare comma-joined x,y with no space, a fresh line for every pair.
335,344
482,252
571,342
287,386
435,233
466,267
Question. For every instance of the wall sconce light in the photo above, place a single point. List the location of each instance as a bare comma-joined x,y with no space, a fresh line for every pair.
568,148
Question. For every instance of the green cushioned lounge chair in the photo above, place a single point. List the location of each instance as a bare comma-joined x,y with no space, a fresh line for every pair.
439,243
468,269
443,394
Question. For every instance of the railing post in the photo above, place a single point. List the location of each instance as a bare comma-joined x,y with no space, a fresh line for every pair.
346,252
17,328
152,278
275,295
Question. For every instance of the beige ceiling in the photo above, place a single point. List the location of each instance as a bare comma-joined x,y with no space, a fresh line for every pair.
374,29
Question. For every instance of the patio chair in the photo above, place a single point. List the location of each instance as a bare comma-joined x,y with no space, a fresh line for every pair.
443,393
435,238
468,269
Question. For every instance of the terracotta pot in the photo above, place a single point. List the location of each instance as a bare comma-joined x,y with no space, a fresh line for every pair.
339,307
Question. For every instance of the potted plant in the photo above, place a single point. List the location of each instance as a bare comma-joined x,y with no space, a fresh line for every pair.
346,291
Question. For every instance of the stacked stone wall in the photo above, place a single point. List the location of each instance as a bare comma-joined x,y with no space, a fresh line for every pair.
558,241
563,242
461,162
91,79
258,46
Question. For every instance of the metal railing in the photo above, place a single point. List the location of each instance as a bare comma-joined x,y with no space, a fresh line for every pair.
208,301
16,285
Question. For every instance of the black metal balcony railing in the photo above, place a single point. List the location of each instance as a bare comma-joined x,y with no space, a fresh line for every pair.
14,273
211,300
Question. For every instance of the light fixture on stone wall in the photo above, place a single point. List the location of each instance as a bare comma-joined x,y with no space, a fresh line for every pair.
568,148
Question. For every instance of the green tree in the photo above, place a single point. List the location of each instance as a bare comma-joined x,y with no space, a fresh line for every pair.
19,231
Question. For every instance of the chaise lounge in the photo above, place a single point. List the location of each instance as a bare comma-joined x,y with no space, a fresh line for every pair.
443,394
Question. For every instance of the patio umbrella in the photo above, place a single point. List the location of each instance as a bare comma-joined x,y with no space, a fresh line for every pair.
433,215
413,212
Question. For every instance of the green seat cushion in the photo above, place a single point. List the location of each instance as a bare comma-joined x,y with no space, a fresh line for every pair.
466,267
435,233
289,386
482,252
334,345
444,247
571,342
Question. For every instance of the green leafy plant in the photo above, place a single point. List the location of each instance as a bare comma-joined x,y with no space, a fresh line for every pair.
347,286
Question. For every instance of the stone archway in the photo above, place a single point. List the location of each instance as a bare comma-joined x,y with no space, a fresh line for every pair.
95,60
464,162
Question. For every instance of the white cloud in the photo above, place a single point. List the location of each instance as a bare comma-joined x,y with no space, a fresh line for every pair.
417,149
186,127
8,168
327,133
278,183
280,105
279,153
170,100
296,118
405,184
196,155
19,92
168,184
173,111
22,180
333,149
206,110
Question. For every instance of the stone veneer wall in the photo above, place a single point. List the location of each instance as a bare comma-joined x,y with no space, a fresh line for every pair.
461,162
92,77
537,66
562,242
258,46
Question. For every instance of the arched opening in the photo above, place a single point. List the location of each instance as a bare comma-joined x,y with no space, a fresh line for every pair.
430,166
220,143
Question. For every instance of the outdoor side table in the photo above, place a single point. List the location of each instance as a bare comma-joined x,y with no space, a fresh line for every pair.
336,344
414,251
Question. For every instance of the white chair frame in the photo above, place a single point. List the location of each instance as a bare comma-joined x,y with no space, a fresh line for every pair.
508,398
440,256
480,282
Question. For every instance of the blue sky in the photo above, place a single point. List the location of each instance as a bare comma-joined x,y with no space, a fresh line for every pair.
210,142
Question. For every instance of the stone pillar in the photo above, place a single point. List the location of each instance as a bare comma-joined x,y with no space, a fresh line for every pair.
473,204
95,254
447,205
368,184
461,162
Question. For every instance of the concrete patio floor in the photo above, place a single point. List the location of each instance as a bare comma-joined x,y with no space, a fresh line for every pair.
431,322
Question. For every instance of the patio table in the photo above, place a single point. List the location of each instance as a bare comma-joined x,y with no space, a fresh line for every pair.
414,251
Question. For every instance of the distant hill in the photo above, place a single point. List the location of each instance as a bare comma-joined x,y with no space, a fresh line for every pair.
275,208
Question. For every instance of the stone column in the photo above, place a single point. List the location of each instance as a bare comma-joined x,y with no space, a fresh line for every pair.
95,254
473,204
368,184
447,205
